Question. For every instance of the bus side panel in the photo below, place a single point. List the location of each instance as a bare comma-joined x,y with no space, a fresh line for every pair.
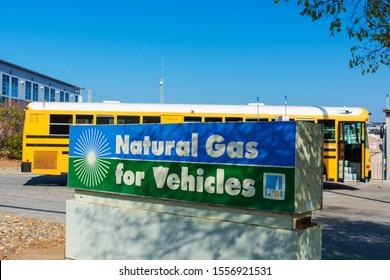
63,168
330,167
32,127
35,122
367,173
171,119
36,145
45,160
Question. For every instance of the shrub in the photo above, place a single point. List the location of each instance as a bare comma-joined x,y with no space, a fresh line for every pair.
11,129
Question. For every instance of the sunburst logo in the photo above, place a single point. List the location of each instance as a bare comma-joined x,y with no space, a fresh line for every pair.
91,169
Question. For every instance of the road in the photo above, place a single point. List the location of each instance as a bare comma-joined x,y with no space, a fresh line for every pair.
34,196
355,221
355,217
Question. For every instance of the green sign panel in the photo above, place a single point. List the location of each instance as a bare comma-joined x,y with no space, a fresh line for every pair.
246,165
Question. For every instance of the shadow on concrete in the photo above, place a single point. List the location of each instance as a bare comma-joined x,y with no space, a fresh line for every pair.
354,240
33,209
338,186
48,180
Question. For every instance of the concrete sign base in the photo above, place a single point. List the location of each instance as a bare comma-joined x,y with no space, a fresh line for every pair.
108,226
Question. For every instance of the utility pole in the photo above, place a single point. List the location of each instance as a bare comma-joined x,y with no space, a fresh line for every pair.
285,105
162,83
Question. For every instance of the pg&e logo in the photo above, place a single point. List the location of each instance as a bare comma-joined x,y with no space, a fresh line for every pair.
274,186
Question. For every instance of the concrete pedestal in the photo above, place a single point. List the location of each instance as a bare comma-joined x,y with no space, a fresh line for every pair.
108,226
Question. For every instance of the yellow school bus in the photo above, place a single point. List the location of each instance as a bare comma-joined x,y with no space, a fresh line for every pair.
46,129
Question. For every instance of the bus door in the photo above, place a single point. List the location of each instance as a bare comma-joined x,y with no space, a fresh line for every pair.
341,153
362,151
365,169
352,151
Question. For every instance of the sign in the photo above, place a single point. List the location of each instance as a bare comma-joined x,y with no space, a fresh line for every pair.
247,165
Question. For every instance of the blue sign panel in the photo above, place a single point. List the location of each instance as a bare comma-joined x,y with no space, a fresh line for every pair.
261,144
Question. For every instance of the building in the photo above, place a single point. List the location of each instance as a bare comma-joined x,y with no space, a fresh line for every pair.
386,143
21,84
376,157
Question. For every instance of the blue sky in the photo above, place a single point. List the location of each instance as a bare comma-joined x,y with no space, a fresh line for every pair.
226,52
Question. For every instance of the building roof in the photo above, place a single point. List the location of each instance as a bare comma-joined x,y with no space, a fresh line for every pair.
37,73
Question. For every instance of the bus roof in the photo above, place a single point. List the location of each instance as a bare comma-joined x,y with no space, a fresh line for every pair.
253,108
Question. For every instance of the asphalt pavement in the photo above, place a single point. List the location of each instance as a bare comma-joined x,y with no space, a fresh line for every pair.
355,218
33,196
355,221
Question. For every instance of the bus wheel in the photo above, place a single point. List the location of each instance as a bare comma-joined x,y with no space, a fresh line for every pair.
324,178
368,178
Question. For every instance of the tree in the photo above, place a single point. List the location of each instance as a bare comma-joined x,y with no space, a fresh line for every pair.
364,20
11,130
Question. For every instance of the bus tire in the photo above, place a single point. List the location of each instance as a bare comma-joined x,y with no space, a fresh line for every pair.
324,177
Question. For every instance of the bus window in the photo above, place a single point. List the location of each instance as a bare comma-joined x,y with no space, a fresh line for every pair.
366,140
151,119
212,119
192,119
59,124
84,119
329,130
105,120
306,120
233,119
353,133
283,119
256,119
128,119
